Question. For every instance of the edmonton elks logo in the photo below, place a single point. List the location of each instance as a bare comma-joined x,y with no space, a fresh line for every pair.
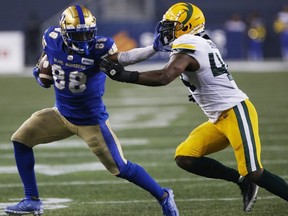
189,12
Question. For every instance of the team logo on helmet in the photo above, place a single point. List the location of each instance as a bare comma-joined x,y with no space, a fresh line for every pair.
189,12
78,28
182,18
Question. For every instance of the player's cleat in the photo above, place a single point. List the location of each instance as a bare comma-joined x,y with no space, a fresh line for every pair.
168,205
26,206
249,192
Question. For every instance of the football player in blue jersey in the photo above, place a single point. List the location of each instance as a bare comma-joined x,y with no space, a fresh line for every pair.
74,51
233,119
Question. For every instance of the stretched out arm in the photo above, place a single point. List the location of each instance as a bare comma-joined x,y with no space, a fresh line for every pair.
177,64
137,54
133,56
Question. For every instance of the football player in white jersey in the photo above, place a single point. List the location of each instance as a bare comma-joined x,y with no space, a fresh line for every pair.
232,117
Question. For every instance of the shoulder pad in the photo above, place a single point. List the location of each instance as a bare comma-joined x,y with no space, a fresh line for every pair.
52,39
52,32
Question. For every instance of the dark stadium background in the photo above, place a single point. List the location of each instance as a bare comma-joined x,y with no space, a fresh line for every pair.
141,16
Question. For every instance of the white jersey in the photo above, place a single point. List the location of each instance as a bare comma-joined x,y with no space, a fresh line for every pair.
212,86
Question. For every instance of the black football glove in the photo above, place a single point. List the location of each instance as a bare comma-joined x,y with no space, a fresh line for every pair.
117,72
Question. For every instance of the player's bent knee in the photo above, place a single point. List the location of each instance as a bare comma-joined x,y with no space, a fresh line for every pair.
128,171
185,162
23,138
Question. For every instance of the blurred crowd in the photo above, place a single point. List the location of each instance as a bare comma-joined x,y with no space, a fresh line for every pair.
252,31
243,38
281,27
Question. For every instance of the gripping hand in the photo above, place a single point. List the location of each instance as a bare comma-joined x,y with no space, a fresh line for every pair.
157,44
117,72
36,75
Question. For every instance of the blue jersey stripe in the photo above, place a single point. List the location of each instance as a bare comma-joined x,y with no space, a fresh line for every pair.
80,14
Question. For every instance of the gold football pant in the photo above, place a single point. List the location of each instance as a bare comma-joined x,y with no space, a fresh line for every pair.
48,125
238,127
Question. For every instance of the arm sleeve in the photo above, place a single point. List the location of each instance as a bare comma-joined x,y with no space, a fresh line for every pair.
135,55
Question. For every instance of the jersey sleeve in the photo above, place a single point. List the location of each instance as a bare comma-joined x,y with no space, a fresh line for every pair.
52,39
106,44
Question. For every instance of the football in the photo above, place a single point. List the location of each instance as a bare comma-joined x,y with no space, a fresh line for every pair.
45,72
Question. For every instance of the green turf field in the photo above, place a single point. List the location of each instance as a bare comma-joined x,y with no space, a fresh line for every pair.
150,122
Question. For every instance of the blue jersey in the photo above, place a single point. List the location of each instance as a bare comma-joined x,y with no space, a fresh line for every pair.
79,85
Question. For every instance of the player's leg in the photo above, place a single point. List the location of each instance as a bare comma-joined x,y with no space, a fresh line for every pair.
236,125
209,138
105,145
273,183
247,148
42,127
204,140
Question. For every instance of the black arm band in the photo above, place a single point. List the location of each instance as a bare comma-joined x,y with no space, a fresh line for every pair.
129,76
134,75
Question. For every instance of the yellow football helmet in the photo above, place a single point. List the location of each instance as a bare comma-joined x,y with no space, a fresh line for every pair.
78,28
181,18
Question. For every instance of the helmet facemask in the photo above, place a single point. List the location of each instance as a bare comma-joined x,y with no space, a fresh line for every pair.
167,30
80,40
78,29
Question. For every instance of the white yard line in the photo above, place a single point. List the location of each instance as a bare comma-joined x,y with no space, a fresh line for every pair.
60,169
78,143
49,203
178,200
194,180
